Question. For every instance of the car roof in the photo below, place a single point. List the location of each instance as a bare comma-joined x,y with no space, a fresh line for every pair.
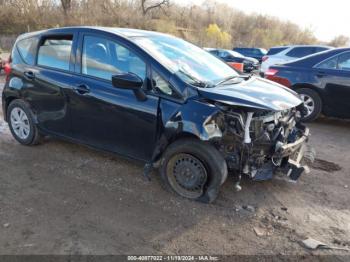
290,46
249,48
123,32
313,59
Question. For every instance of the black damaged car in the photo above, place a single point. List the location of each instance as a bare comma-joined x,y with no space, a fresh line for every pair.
155,98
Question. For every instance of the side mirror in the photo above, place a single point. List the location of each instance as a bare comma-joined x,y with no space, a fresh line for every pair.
130,81
127,81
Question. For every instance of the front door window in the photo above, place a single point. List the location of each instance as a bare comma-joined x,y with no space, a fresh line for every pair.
103,58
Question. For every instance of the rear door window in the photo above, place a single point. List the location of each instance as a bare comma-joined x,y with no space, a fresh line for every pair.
298,52
276,50
344,62
104,58
330,63
340,62
55,52
27,48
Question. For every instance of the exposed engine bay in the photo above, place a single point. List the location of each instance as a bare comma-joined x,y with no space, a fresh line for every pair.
262,144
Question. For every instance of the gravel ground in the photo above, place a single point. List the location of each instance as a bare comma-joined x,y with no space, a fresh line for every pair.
62,198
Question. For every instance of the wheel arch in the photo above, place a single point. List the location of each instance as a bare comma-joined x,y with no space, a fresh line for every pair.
8,101
211,158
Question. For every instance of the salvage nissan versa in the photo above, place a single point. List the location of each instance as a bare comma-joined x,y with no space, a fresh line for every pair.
155,98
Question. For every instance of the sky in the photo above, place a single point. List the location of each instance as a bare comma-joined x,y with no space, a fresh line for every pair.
326,19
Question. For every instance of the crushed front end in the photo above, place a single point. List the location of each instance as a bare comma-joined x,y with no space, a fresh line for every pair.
263,144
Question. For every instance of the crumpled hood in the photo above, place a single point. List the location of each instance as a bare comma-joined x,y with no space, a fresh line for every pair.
255,93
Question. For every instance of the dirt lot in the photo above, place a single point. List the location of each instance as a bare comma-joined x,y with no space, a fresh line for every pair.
61,198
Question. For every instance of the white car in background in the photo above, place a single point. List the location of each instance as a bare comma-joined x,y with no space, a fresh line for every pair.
281,54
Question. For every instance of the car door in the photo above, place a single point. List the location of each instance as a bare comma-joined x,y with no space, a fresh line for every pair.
334,76
47,80
106,116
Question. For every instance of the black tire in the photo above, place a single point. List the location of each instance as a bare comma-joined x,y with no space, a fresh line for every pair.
316,100
33,137
199,156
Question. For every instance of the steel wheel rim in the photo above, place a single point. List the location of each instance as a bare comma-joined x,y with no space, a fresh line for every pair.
20,123
309,104
187,175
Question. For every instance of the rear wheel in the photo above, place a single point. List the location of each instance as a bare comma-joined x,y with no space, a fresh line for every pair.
21,123
312,102
193,169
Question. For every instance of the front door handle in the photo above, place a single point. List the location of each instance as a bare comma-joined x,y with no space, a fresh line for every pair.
82,89
29,74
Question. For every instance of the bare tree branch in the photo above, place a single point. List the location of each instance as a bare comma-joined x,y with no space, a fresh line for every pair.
146,9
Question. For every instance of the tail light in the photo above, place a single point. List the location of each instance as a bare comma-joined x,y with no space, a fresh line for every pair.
271,72
264,58
7,68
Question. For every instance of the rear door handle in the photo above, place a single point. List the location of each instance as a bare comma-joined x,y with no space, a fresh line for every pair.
29,74
321,74
82,89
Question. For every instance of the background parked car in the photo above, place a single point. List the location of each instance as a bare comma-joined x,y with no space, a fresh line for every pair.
322,80
229,56
281,54
256,53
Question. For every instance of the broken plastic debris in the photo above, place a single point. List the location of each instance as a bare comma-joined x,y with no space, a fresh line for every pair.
314,244
259,231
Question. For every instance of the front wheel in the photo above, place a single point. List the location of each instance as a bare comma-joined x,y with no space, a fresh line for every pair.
193,169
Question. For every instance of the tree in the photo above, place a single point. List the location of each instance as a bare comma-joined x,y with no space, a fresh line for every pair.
148,5
340,40
66,6
218,38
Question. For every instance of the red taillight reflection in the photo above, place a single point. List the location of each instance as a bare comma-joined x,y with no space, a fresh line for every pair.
271,72
7,68
264,58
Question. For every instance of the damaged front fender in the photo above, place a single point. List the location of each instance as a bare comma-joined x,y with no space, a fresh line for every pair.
193,119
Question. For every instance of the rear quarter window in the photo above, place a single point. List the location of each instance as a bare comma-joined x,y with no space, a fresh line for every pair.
26,49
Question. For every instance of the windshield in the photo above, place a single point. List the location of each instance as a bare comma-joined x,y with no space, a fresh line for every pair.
191,63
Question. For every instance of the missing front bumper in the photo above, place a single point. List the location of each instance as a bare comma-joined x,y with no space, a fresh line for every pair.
290,166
